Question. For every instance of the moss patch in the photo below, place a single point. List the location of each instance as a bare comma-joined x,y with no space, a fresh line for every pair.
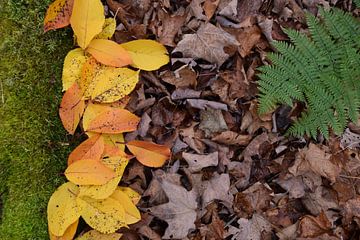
33,147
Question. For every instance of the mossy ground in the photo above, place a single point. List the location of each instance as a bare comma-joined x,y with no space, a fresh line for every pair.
33,148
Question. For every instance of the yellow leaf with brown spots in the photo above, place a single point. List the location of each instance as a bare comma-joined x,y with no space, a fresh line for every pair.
58,14
68,234
132,214
95,235
72,69
108,29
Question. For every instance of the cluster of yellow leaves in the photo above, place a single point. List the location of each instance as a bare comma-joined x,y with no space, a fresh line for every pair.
96,81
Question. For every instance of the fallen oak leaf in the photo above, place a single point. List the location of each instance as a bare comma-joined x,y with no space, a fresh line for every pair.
109,53
68,234
113,120
71,108
58,14
146,55
89,172
95,235
87,20
148,153
91,149
62,210
72,70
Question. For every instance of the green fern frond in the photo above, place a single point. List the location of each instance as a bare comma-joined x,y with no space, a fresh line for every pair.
322,70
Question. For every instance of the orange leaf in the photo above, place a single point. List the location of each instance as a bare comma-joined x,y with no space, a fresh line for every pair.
68,234
109,53
71,108
148,153
114,120
91,149
88,72
58,14
89,172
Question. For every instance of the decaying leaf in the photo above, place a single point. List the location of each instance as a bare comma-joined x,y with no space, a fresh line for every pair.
106,215
217,188
179,212
71,108
62,210
232,138
91,149
111,84
197,162
112,121
146,54
95,235
256,228
68,234
207,43
58,14
73,64
89,172
148,153
109,53
87,20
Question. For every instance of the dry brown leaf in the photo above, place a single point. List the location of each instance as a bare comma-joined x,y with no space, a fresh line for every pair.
232,138
179,212
197,162
207,43
311,226
210,7
182,78
217,188
170,27
212,121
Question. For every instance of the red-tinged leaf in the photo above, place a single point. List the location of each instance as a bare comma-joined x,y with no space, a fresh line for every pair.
114,120
109,53
91,149
71,108
89,172
148,153
58,14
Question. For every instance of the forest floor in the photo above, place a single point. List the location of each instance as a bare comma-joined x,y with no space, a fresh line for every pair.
234,173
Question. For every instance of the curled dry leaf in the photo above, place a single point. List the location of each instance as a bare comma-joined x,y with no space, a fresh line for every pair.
106,215
112,120
58,14
95,235
73,64
87,20
68,234
148,153
147,55
109,53
91,149
89,172
232,138
111,84
62,210
197,162
71,108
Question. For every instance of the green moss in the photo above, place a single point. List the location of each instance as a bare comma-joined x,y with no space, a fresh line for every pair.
33,147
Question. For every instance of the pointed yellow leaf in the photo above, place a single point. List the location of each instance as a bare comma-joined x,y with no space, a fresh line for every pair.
68,234
132,214
88,73
109,53
73,64
147,55
58,14
87,20
106,215
118,164
89,172
62,210
133,195
113,84
108,29
95,235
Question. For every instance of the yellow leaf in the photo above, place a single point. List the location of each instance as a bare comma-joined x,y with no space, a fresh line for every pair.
91,149
87,20
95,235
118,164
133,195
109,53
106,215
148,153
113,84
91,112
89,172
69,233
62,210
132,214
108,29
71,108
58,14
73,64
88,72
147,55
